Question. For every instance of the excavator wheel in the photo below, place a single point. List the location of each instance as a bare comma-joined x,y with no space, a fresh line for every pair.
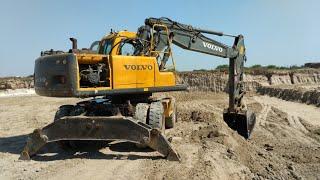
68,145
156,116
63,111
171,121
141,114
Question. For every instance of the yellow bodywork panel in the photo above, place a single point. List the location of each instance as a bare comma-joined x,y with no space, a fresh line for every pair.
164,78
91,58
132,72
138,72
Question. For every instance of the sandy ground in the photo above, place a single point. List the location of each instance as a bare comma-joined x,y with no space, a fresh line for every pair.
285,143
16,92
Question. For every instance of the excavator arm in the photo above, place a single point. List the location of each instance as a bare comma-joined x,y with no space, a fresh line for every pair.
157,34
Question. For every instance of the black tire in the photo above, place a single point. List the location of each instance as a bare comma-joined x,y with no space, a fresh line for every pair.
156,115
171,121
63,111
69,110
141,112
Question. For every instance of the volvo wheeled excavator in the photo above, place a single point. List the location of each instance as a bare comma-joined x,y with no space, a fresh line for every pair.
118,76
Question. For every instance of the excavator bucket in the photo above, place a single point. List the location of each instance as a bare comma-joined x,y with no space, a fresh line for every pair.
242,122
99,128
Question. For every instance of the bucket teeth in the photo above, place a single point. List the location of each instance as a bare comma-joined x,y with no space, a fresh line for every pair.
161,144
34,142
24,155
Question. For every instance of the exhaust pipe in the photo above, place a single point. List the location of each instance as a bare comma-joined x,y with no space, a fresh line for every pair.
74,43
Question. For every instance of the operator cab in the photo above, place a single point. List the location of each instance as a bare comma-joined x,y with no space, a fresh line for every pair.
125,47
131,45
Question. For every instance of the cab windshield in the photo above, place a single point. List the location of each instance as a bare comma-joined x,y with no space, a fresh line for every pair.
95,46
106,46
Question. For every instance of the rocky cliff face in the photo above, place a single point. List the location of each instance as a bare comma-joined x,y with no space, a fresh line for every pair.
217,82
277,79
306,78
16,83
292,94
204,81
284,85
294,78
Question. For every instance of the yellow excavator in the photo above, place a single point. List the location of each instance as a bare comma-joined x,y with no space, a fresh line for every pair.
120,72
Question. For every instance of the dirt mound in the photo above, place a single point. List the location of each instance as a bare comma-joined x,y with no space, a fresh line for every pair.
280,147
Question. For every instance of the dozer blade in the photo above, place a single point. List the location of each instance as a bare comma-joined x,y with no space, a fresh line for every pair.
242,122
99,128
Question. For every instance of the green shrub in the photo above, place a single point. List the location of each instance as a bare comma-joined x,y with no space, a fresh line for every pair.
271,67
256,66
223,66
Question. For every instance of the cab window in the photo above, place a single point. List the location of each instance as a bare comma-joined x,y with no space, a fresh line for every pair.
127,49
95,46
106,47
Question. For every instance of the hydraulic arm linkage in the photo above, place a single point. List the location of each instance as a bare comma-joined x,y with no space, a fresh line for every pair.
158,33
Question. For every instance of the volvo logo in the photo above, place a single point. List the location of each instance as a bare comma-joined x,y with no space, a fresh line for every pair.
138,67
212,46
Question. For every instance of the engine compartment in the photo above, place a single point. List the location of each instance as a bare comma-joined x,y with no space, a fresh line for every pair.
94,75
93,70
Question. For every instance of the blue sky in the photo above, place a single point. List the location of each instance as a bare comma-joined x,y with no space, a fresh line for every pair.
281,32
